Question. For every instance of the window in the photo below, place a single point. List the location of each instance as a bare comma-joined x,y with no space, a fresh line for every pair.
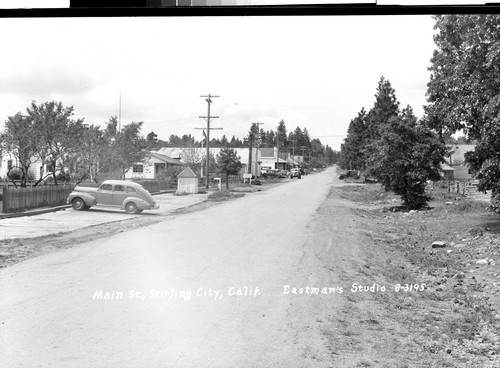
9,164
130,190
119,188
138,168
105,187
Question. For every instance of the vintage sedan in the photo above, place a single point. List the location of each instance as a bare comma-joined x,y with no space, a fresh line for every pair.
126,195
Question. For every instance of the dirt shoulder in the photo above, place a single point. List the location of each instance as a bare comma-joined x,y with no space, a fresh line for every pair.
418,306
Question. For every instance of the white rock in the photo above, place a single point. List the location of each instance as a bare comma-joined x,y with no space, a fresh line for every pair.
482,262
439,244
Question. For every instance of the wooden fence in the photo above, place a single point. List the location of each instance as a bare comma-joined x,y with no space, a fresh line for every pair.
22,199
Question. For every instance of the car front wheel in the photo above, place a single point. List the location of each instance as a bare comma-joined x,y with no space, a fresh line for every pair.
131,208
78,204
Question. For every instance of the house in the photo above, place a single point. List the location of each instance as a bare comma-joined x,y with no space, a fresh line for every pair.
268,159
154,164
197,154
37,169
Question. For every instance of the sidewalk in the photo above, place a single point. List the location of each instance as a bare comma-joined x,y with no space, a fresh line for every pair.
39,211
49,221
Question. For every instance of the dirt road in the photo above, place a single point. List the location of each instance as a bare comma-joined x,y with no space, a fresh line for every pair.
229,286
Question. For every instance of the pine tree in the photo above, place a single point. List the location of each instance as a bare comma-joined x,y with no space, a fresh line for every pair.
228,163
409,154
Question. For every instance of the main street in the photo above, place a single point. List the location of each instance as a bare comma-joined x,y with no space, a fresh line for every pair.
203,289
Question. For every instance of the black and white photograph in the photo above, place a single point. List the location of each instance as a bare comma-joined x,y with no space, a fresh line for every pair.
250,188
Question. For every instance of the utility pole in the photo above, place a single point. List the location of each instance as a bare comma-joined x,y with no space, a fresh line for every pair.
251,138
303,148
250,147
293,150
120,115
208,98
278,147
258,146
277,150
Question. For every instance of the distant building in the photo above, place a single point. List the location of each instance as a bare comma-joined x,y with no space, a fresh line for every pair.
448,172
151,168
197,154
457,161
36,171
268,159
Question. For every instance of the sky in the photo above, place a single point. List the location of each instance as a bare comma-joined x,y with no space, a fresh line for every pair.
310,71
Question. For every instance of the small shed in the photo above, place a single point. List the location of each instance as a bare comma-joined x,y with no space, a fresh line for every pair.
448,172
187,182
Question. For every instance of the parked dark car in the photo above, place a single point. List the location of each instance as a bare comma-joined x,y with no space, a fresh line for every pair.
126,195
274,173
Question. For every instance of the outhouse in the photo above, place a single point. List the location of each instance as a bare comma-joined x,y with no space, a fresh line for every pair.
187,182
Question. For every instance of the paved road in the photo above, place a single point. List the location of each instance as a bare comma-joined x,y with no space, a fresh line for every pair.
204,289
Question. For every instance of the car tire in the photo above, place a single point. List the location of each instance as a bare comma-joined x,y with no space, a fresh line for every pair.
131,208
78,204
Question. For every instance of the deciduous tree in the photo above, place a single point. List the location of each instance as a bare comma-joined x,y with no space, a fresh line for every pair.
20,139
464,90
55,132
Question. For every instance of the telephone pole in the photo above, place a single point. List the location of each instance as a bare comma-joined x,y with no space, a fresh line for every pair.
253,137
208,98
293,150
120,115
278,147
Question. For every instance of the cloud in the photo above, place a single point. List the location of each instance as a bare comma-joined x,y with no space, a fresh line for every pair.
50,80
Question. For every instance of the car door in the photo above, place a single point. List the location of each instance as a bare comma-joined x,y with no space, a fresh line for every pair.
104,195
119,194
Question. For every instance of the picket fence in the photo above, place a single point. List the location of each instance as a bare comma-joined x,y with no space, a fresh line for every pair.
22,199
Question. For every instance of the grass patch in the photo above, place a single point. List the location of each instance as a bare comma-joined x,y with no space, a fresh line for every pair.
223,196
367,193
455,318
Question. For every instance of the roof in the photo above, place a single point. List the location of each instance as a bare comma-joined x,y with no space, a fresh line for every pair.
446,167
167,159
170,152
187,173
266,152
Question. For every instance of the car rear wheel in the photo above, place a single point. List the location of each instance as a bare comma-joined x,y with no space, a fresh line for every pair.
79,204
131,208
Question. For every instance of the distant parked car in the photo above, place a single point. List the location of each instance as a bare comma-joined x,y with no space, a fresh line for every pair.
271,173
264,169
126,195
295,173
283,174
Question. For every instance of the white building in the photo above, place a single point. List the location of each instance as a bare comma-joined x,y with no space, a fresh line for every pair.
196,154
154,164
8,161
